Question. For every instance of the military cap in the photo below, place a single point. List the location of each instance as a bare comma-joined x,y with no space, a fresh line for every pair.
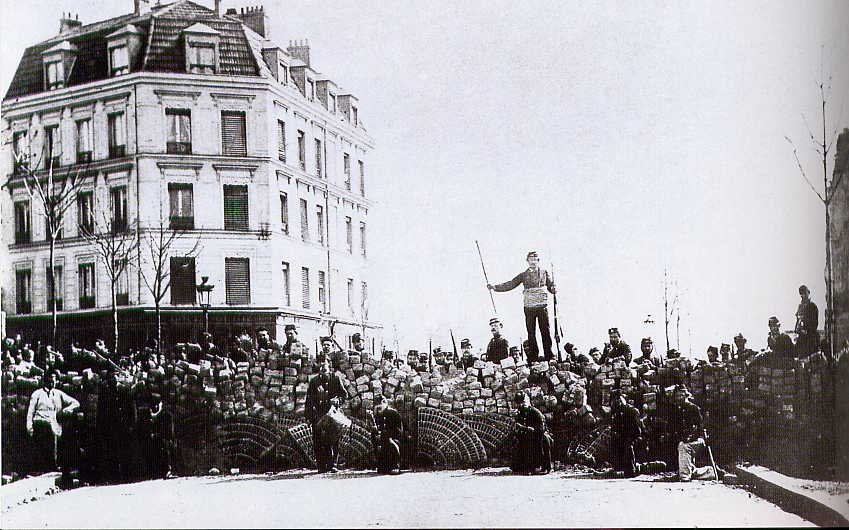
773,320
494,320
290,327
646,340
532,254
378,398
568,345
739,336
593,350
261,328
712,349
325,339
520,397
804,289
514,349
356,337
612,330
465,343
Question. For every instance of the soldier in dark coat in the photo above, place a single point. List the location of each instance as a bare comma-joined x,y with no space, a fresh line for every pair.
533,443
388,428
689,432
807,322
325,390
626,429
498,349
780,345
646,361
615,349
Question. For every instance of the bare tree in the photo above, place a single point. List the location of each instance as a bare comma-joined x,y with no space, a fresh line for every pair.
114,242
670,306
823,146
54,193
157,245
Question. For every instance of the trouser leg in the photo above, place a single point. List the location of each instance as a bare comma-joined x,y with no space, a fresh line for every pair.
318,449
687,459
545,449
630,459
545,332
531,325
44,444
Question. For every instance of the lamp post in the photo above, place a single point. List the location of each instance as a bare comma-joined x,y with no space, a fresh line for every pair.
204,289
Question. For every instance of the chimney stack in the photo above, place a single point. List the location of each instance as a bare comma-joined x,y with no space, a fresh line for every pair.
253,17
218,8
300,50
141,7
69,24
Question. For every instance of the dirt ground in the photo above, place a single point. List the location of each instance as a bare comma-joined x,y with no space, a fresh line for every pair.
489,497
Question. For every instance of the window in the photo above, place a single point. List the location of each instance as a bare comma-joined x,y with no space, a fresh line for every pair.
310,89
322,298
284,73
305,225
119,63
362,177
23,222
331,103
287,297
52,146
349,234
86,285
23,291
235,207
84,140
85,212
237,277
319,224
363,238
201,58
364,297
305,287
117,131
20,148
55,72
281,141
179,123
284,213
350,294
118,204
318,171
233,136
355,116
346,164
182,210
182,277
122,284
54,278
302,153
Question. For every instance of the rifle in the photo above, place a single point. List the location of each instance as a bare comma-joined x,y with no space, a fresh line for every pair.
430,355
491,299
454,342
556,326
710,454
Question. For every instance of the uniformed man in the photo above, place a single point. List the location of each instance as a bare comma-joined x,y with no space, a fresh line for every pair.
743,355
358,345
467,356
725,352
625,430
780,345
388,428
327,347
498,349
646,361
807,322
533,447
325,389
291,340
689,432
615,349
264,341
413,359
712,355
537,283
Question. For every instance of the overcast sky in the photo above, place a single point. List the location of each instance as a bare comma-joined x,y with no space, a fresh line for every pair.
617,140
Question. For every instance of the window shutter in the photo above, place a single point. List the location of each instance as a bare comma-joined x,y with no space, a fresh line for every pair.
238,280
305,287
233,133
235,207
281,142
183,281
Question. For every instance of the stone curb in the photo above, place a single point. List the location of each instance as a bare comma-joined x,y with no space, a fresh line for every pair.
27,490
793,500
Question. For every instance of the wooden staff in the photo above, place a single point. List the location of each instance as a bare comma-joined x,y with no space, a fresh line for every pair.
491,298
556,326
454,342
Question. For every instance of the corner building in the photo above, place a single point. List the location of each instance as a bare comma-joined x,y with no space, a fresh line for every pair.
181,116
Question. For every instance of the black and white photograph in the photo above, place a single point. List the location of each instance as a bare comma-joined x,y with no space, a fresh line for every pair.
438,264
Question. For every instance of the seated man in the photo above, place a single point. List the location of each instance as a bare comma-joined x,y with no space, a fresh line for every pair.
386,436
533,443
688,430
497,349
616,349
626,432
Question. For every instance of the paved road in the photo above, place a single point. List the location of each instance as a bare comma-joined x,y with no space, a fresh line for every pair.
489,497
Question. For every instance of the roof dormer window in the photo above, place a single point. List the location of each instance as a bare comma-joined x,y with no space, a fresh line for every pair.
310,89
55,75
331,103
119,63
201,49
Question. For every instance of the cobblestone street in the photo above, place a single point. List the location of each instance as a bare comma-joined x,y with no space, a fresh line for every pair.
489,497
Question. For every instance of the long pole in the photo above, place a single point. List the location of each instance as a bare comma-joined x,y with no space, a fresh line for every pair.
556,326
454,342
491,299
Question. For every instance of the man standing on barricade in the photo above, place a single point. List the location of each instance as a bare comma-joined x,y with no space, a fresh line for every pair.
807,322
537,284
324,391
498,349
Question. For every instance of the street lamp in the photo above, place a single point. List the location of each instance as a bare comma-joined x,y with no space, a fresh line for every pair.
204,289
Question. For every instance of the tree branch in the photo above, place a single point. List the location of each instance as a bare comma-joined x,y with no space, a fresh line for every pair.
802,170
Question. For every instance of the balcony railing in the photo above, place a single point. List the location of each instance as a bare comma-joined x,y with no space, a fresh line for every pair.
23,237
122,299
87,302
181,223
117,151
23,307
179,148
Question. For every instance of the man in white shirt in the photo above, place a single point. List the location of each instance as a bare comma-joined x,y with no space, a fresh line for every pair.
42,421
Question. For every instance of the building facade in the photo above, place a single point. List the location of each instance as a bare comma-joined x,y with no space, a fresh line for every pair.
181,118
840,240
